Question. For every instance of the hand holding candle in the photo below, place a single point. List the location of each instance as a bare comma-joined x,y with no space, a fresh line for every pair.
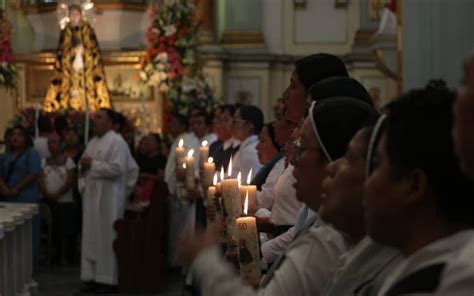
248,247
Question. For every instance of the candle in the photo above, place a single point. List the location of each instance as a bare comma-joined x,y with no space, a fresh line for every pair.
208,172
190,177
180,154
251,190
248,248
231,198
181,190
203,153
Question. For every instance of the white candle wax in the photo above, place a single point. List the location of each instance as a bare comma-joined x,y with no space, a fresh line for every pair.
190,177
180,153
208,173
231,198
248,248
203,153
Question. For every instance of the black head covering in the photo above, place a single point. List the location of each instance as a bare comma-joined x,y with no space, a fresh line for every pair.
271,133
340,86
254,115
336,121
317,67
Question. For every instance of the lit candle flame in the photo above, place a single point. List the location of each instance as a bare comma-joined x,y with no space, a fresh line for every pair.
204,143
210,160
246,203
249,177
222,173
181,143
191,153
215,179
239,177
229,169
184,166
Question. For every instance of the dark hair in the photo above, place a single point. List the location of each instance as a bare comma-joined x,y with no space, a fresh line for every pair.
156,136
60,123
111,114
44,124
120,120
254,115
228,108
317,67
205,115
419,136
25,133
183,120
271,134
340,86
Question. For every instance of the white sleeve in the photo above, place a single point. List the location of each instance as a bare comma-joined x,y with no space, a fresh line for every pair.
309,266
274,247
114,166
217,277
70,165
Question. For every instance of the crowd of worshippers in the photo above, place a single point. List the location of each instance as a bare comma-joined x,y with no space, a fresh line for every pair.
351,200
354,200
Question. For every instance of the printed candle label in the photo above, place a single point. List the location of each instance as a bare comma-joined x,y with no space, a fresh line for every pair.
248,248
231,198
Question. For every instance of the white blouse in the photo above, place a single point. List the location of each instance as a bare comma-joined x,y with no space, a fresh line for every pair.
285,207
55,177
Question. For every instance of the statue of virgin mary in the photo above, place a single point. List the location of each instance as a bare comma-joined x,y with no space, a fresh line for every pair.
79,77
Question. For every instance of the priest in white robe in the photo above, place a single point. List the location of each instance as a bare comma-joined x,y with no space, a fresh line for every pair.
106,164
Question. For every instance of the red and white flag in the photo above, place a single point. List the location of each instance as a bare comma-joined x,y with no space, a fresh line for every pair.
388,22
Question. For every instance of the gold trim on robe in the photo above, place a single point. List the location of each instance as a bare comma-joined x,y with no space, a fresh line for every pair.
70,87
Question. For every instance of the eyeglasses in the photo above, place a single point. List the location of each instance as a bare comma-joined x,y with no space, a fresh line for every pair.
298,151
239,120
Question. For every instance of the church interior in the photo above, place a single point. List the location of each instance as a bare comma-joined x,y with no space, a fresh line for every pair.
72,70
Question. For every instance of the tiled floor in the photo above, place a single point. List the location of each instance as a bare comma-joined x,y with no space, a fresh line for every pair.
64,281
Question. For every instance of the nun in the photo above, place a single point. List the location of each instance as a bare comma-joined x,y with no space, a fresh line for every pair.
309,263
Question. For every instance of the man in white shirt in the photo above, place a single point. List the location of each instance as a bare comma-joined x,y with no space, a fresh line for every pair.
248,122
105,163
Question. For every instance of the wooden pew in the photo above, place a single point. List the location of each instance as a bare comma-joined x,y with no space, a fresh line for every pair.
140,246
